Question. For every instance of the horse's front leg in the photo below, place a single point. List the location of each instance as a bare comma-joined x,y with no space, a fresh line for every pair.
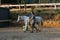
25,26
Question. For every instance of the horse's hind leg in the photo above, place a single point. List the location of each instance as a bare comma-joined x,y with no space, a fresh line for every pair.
39,27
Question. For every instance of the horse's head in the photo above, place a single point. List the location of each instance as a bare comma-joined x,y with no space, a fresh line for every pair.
19,18
20,21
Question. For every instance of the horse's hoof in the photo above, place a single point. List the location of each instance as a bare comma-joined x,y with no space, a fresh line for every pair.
31,31
24,31
39,30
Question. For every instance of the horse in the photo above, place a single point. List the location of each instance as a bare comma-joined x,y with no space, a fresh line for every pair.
26,21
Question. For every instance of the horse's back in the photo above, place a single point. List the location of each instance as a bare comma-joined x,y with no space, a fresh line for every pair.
38,18
25,18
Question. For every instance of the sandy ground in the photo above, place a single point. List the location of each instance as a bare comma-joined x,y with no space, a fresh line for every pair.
16,33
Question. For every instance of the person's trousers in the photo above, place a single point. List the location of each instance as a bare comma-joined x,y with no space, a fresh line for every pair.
33,26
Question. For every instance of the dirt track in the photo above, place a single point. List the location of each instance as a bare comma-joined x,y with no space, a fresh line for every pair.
16,33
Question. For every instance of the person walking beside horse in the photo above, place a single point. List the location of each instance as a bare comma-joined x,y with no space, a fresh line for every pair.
32,21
